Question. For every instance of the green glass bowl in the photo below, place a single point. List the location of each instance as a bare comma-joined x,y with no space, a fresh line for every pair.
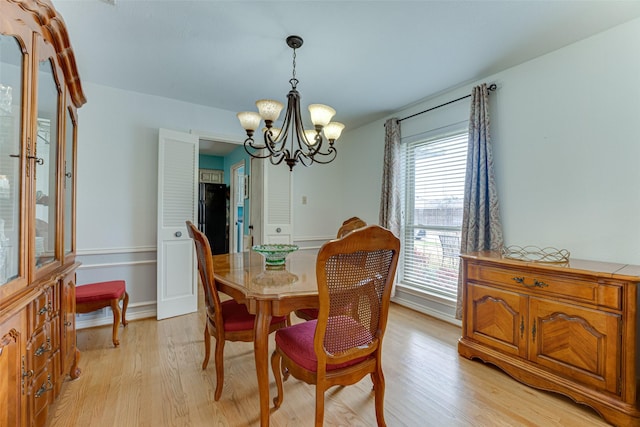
275,254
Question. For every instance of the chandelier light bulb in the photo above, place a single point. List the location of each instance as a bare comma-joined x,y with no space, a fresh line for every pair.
333,130
269,109
311,136
249,120
275,132
321,114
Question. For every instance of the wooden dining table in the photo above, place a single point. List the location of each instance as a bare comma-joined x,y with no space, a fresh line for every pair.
266,293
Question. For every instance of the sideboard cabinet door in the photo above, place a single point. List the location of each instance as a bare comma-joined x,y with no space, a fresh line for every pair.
579,343
497,318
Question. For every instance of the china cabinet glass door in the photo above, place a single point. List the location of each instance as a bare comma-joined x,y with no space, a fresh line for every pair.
45,152
11,72
68,184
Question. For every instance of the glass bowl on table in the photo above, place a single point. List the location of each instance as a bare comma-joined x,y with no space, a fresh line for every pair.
275,254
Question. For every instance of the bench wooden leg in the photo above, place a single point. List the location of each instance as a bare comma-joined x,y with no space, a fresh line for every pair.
125,303
115,307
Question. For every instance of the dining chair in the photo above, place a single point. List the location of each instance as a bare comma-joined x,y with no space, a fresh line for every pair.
347,227
226,321
342,346
450,248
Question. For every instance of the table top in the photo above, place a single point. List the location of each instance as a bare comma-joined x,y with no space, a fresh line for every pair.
245,272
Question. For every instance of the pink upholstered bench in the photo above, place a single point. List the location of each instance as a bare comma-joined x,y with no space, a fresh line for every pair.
95,296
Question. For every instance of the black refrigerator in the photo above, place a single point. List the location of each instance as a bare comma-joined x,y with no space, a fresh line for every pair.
212,216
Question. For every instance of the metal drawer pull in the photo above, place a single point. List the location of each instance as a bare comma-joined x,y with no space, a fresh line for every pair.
539,284
536,283
44,387
44,348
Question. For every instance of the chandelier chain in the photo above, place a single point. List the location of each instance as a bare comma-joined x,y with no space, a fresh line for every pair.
294,80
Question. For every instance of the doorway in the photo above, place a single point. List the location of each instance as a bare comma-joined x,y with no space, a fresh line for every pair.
236,207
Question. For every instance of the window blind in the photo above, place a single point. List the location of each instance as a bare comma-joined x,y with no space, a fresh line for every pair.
433,189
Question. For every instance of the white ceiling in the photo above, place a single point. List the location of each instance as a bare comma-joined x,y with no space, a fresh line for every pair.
364,58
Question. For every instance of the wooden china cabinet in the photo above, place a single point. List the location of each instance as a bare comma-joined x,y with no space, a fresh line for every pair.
570,328
39,94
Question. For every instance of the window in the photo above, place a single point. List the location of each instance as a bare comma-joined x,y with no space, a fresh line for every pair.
433,190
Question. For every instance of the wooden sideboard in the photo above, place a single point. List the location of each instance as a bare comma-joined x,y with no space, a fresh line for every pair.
570,328
39,95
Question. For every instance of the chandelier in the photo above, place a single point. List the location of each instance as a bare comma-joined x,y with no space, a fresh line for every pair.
291,143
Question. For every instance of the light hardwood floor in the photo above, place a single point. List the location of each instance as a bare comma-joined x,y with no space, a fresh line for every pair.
155,379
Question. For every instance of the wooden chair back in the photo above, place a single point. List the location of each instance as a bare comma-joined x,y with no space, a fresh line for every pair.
349,225
239,320
205,269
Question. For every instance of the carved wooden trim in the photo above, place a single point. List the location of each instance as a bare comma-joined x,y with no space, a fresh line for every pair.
55,31
10,338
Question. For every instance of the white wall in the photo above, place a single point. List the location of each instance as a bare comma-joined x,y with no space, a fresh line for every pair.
566,148
319,219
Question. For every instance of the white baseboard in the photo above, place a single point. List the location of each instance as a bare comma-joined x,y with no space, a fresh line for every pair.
446,317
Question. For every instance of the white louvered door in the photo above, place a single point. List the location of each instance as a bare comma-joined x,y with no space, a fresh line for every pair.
278,216
177,203
271,202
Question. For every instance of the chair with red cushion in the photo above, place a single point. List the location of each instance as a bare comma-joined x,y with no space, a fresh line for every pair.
344,344
95,296
226,321
347,227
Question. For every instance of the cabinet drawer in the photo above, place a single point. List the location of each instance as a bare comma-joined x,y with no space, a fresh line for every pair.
39,311
41,387
605,294
39,349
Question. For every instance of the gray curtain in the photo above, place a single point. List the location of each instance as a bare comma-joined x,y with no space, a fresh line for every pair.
390,194
390,210
481,226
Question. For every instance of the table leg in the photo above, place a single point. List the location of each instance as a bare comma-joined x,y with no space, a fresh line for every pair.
261,352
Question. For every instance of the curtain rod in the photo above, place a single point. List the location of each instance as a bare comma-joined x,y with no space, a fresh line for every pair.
492,87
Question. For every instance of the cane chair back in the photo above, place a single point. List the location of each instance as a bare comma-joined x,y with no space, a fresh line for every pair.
347,227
